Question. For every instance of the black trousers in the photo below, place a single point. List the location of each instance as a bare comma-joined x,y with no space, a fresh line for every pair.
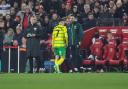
34,62
73,57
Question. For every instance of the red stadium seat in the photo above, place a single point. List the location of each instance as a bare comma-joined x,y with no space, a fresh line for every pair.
125,33
122,51
96,48
110,52
97,51
110,55
87,62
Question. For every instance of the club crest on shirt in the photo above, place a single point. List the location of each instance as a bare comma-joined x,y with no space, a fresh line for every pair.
75,27
35,29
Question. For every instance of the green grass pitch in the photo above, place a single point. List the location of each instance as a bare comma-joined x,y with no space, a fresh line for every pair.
64,81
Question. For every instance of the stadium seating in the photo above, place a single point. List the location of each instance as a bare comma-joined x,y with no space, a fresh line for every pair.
125,33
122,54
110,55
114,53
96,48
97,53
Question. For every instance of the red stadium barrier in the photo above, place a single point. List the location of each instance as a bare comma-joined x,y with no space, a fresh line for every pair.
13,47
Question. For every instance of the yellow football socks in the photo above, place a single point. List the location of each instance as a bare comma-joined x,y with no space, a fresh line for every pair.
58,62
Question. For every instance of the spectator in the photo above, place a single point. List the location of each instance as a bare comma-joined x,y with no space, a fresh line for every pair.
68,9
13,12
17,40
4,7
89,22
76,13
2,23
47,5
62,11
96,12
23,7
125,5
87,9
87,12
25,15
54,20
80,4
55,4
16,6
46,25
119,10
11,2
125,19
7,17
41,11
9,22
8,38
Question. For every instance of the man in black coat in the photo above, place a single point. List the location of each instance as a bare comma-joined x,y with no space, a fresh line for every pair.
1,46
33,35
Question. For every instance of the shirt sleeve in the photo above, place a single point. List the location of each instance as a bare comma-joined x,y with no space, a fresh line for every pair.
66,35
53,37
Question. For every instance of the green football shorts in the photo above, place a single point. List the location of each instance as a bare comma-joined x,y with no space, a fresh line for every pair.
60,51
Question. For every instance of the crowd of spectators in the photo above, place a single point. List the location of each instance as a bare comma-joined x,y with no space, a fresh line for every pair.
88,12
15,14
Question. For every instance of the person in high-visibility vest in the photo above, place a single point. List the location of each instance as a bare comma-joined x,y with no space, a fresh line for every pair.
59,44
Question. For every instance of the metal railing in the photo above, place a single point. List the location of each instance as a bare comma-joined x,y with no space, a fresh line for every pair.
109,22
102,22
9,57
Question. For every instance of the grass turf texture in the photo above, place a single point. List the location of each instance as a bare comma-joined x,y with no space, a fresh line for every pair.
64,81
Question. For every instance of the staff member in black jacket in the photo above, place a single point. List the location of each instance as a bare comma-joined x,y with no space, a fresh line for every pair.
33,35
1,47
